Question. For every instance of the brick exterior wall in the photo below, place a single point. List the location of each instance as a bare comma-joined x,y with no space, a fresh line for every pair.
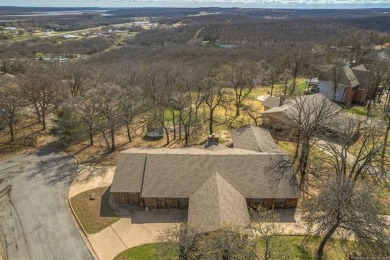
126,198
291,203
272,203
360,96
164,203
150,202
348,95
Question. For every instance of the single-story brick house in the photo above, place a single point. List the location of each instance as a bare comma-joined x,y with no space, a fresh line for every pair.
217,186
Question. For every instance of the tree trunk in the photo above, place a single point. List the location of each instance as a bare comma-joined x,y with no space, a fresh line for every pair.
293,85
320,250
90,136
180,124
166,134
297,149
174,124
385,142
43,119
211,118
37,113
128,132
237,105
105,139
187,133
112,132
11,132
272,88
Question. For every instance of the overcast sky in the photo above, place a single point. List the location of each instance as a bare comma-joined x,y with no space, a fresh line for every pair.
203,3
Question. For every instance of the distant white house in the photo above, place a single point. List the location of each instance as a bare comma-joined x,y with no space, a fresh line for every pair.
70,36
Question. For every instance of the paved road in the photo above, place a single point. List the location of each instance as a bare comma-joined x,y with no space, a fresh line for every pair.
35,219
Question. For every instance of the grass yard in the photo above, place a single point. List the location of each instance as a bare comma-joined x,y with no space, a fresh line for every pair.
300,247
357,110
144,252
94,215
291,247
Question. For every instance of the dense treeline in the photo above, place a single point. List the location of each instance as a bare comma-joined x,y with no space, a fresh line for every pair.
54,46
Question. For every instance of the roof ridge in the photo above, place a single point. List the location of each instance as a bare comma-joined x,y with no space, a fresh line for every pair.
216,174
218,179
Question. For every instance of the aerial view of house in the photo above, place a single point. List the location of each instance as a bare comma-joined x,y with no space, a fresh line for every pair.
198,178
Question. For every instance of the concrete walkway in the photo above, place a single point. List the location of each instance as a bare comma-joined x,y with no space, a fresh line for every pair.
133,229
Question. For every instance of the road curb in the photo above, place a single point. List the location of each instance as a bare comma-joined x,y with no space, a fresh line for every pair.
85,234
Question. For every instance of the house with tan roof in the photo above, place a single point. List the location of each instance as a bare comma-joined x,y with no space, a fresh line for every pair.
216,186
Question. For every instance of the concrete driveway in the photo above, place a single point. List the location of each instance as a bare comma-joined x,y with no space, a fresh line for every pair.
35,219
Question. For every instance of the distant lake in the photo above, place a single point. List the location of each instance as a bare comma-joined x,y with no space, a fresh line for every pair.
56,13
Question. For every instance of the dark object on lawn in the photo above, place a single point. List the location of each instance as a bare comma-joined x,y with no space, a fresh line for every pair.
92,196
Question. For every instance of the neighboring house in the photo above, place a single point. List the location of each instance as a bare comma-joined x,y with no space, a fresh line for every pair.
253,138
279,118
217,186
271,102
353,85
378,56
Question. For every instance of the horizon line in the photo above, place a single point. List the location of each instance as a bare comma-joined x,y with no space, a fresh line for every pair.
315,6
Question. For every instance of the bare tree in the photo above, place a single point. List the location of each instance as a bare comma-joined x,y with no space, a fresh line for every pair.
307,114
129,80
191,97
158,81
9,105
267,228
355,160
40,88
87,109
107,99
75,76
344,204
215,96
272,75
187,242
383,109
241,78
295,63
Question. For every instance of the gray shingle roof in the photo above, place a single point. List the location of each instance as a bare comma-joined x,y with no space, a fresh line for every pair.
348,78
177,173
306,103
129,173
216,203
253,138
271,102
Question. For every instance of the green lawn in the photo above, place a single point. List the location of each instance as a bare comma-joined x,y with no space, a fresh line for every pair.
357,110
294,247
144,252
94,215
299,247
